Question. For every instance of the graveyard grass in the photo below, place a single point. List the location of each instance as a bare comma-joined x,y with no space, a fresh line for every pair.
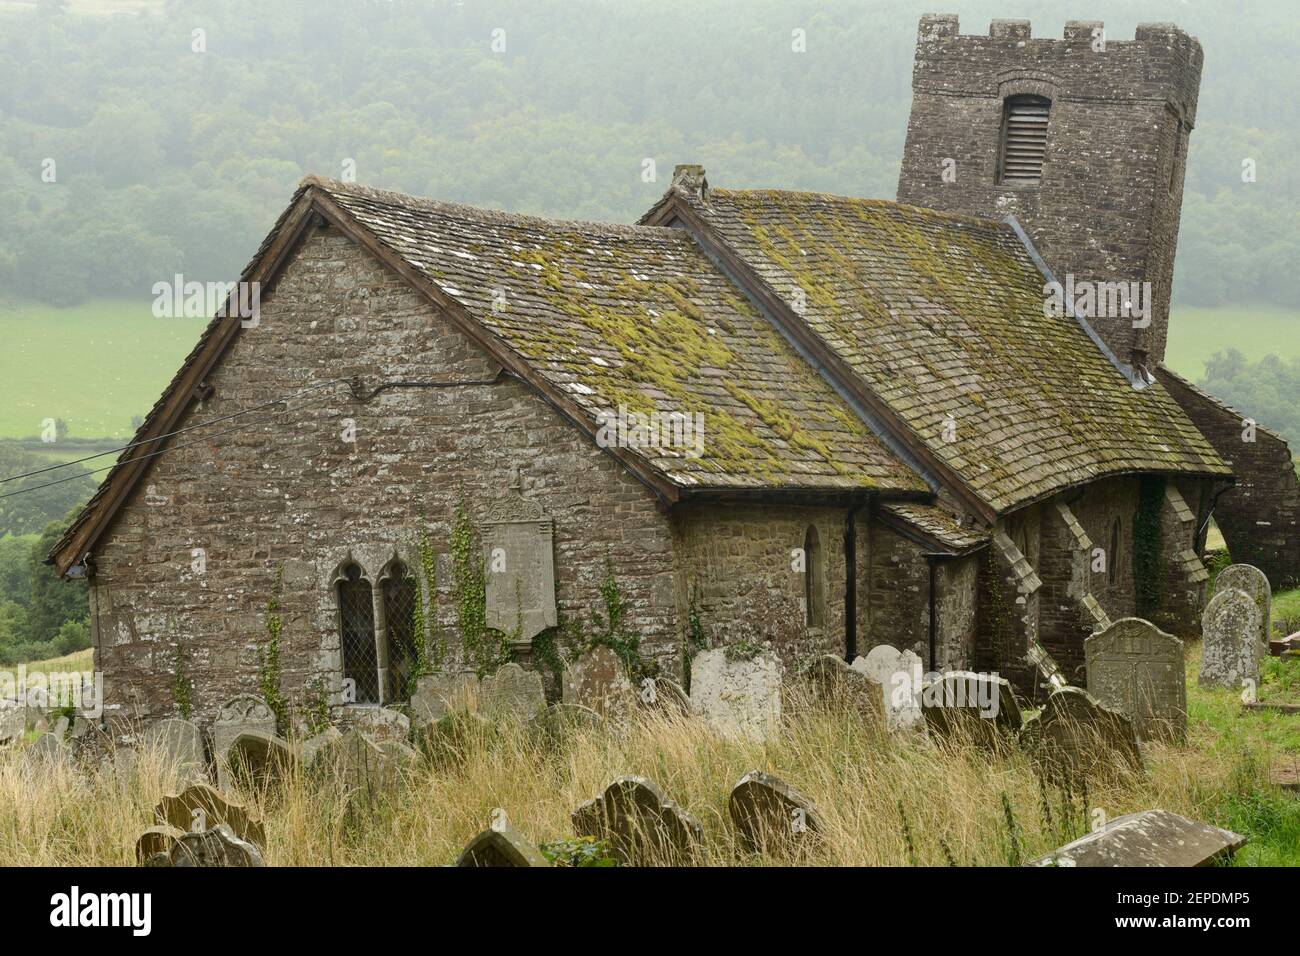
884,800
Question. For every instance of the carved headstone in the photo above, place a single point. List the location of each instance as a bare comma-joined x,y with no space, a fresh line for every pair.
512,691
437,695
381,723
179,743
770,814
964,702
199,807
832,679
520,558
242,713
258,758
501,845
597,680
1149,838
740,698
899,675
640,825
315,745
1248,578
1078,738
1230,650
1137,669
214,847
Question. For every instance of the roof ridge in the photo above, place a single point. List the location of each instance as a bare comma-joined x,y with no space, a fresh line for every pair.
996,223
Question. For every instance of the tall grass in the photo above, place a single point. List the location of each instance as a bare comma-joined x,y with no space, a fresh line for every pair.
883,800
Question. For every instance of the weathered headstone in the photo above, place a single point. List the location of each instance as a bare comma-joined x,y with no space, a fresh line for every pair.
597,680
357,761
512,691
1253,581
899,675
642,827
179,744
1149,838
13,720
317,744
665,696
242,713
740,697
832,679
48,748
437,695
199,807
258,758
519,554
982,706
214,847
1230,650
156,841
1078,738
1137,669
380,723
501,845
770,814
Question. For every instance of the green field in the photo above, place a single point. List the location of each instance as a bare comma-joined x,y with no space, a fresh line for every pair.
97,365
94,366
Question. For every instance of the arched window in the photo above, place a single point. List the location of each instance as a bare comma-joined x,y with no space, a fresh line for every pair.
357,633
1024,140
1112,559
398,589
814,579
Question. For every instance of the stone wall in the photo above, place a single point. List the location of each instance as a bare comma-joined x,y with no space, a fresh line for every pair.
894,583
289,492
1107,208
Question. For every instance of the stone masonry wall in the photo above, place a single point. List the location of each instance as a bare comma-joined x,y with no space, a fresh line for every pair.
1107,208
290,492
894,582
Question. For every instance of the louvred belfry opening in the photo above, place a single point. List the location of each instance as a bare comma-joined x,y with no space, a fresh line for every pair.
1024,139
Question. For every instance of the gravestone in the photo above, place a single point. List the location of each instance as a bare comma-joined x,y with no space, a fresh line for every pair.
315,745
60,728
214,847
899,675
1230,649
200,807
740,698
1253,581
357,761
501,845
179,744
258,759
13,720
981,706
1149,838
597,680
640,825
512,691
520,561
1078,739
769,814
46,749
665,696
832,679
242,713
437,695
380,723
156,841
1137,669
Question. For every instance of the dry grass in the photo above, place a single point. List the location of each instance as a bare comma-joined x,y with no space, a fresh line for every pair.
951,795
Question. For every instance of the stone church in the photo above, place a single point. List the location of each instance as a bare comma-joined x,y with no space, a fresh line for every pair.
755,416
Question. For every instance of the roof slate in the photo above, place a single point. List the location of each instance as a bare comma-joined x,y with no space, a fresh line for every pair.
942,317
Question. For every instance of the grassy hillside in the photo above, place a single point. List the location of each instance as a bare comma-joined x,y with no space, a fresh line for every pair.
1255,331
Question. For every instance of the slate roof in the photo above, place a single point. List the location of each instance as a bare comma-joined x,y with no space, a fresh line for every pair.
638,317
941,316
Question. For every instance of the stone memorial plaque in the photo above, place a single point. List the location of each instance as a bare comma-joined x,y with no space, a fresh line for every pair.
520,561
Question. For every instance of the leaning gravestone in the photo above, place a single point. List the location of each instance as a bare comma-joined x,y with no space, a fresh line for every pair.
642,827
597,680
770,814
13,720
47,749
1137,669
156,841
1149,838
201,807
741,697
1077,738
214,847
179,744
981,706
899,675
501,845
1248,578
437,695
512,691
832,679
258,758
242,713
1230,648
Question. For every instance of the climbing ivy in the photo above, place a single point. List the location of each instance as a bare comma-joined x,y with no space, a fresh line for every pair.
1147,546
430,645
315,707
611,629
269,667
485,648
182,683
999,615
